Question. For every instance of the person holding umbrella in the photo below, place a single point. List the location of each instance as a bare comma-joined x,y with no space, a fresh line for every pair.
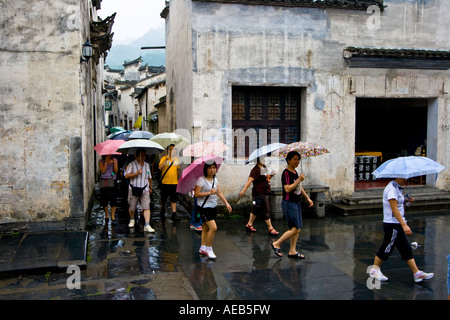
108,173
395,231
169,166
394,223
206,191
108,191
138,171
261,188
292,191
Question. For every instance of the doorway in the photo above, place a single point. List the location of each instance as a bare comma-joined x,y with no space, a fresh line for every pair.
387,128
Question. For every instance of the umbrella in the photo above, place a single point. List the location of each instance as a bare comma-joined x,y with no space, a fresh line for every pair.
167,138
140,135
116,129
131,146
407,167
204,148
193,171
108,147
121,135
264,150
306,149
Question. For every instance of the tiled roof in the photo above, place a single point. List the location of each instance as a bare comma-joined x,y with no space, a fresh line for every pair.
417,53
397,58
341,4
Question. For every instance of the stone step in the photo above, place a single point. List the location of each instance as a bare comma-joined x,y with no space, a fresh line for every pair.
345,209
375,196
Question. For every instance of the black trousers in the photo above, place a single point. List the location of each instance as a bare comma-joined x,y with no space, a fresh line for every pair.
394,236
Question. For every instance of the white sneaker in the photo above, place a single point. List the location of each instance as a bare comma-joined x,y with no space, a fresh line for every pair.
131,224
202,252
376,274
210,253
423,276
148,229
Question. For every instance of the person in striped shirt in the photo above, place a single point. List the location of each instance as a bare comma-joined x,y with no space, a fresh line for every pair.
138,171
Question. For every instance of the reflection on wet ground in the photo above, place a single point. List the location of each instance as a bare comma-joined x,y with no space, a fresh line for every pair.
338,251
126,263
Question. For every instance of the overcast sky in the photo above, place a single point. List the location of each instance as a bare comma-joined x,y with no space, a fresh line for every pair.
134,17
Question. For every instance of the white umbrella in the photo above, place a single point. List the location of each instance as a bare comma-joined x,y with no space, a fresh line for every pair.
140,135
264,151
131,146
407,167
167,138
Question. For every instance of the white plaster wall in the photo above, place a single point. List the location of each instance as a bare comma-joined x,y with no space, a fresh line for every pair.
285,46
44,105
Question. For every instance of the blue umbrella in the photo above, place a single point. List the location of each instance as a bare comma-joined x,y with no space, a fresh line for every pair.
407,167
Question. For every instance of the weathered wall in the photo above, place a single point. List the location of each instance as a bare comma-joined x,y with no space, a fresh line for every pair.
303,47
46,113
179,65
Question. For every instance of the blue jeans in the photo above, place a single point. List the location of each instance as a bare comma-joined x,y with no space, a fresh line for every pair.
195,221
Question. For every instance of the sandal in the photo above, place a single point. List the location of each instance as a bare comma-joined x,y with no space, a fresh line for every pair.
277,251
273,232
250,228
296,255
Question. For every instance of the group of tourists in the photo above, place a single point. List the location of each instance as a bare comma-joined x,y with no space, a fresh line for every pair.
207,190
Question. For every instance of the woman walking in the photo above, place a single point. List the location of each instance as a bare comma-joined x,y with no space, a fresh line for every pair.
206,191
292,192
108,190
261,188
395,231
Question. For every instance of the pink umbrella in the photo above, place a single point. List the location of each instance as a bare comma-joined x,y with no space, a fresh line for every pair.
108,147
193,171
204,148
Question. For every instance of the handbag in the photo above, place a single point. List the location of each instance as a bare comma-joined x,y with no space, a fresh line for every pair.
136,191
198,208
160,180
106,182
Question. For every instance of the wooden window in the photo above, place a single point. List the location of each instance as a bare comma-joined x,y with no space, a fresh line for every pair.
271,114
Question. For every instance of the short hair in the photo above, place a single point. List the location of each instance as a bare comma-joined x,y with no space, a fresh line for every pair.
206,166
291,155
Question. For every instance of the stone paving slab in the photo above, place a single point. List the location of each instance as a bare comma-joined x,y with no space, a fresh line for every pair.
50,249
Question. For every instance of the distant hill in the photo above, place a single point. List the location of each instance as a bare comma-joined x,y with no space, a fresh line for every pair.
120,53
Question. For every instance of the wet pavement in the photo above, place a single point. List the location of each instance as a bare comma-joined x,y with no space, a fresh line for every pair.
128,264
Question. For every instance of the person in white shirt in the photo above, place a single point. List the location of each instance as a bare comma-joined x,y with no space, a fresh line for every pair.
206,191
140,176
395,231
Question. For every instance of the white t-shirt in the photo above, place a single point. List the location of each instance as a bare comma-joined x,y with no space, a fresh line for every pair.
393,191
207,186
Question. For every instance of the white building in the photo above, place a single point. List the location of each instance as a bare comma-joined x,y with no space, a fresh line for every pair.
51,107
352,76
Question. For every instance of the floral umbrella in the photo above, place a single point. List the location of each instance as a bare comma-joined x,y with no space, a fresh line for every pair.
306,149
204,148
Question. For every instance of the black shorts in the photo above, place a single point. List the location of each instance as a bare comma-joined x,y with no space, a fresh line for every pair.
261,206
169,191
207,214
394,236
108,195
